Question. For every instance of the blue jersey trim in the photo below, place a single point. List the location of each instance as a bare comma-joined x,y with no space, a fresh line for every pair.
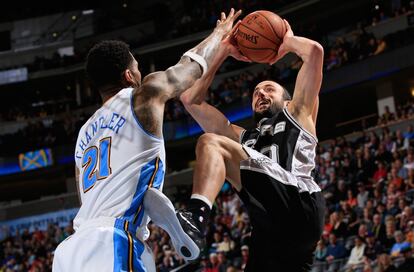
127,249
151,175
137,120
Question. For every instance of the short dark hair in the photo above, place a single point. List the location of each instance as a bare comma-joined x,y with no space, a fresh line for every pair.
286,94
106,61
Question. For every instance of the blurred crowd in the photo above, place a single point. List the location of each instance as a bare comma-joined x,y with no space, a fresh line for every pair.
368,184
31,251
194,17
355,45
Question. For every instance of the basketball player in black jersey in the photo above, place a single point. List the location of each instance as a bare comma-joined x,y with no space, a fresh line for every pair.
270,166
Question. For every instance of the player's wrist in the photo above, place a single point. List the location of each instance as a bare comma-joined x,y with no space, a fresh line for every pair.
220,32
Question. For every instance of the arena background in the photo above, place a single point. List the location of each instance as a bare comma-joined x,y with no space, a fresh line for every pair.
365,123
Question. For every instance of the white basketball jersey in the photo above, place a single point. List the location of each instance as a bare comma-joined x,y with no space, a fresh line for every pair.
118,160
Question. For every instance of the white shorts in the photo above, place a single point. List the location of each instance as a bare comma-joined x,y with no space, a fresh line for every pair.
102,244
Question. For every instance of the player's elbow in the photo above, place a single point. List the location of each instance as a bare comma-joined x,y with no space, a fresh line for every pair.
313,55
172,77
316,50
190,98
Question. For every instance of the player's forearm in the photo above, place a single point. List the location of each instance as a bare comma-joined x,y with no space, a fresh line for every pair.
197,93
211,119
308,50
210,47
185,73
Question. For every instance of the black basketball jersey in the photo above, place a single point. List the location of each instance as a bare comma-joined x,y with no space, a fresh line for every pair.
283,140
285,205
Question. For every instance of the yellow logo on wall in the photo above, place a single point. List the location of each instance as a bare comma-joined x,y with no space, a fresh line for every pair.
35,159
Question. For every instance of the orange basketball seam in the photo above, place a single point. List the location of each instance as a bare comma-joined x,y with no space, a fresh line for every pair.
271,26
267,56
261,48
259,34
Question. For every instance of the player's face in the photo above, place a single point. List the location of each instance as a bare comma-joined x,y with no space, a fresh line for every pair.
135,79
267,94
267,99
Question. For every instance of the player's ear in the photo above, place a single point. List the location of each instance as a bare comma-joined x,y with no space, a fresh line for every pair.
127,77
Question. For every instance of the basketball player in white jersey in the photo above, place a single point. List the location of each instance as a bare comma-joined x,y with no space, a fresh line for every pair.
120,153
270,166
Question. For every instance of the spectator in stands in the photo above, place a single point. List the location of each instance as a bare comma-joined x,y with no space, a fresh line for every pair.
362,196
397,181
341,191
169,261
378,228
410,182
362,231
213,265
222,261
320,256
408,263
372,247
351,199
402,172
380,173
384,264
399,244
356,259
335,252
227,245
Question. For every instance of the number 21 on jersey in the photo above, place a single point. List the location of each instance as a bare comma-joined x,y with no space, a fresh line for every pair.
96,163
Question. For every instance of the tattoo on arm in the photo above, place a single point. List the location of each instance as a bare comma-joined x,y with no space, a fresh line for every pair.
183,75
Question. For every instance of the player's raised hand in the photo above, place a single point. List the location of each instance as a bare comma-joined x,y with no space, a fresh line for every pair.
225,24
283,50
230,43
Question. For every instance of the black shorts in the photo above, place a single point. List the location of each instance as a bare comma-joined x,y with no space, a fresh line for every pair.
286,214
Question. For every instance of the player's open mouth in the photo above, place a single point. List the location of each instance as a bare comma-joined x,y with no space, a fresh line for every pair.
262,103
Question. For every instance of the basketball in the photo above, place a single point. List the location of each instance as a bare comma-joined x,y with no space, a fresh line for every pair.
260,34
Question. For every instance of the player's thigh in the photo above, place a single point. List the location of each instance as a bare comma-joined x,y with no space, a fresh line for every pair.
231,151
86,250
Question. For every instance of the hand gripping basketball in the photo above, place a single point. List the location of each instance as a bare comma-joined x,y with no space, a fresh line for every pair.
283,50
226,24
260,34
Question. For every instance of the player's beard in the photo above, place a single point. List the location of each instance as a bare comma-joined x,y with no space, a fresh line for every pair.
272,110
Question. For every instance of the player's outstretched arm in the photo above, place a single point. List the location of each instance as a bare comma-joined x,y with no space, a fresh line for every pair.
158,87
309,79
194,63
193,99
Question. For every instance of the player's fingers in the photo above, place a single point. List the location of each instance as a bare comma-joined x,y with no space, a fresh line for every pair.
288,27
223,16
218,22
243,58
231,13
287,24
235,28
237,15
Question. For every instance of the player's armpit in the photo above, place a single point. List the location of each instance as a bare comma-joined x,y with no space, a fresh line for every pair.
315,110
77,172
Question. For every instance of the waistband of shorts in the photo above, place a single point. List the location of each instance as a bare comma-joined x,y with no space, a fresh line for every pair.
102,221
98,222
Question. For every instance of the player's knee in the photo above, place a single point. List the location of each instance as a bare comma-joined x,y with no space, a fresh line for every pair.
207,140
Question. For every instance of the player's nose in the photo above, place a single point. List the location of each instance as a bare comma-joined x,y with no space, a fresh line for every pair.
261,92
